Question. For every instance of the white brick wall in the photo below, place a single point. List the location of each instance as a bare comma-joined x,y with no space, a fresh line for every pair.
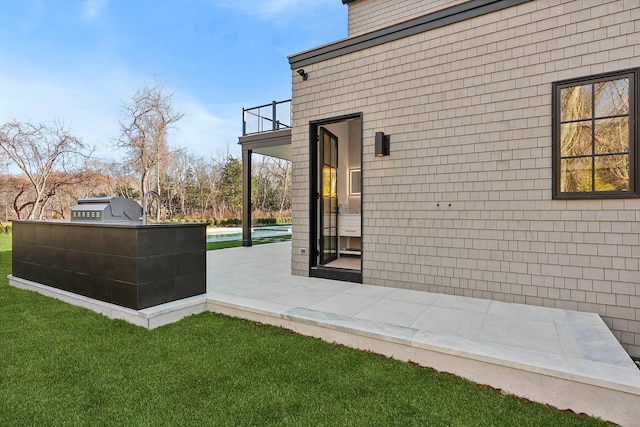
463,203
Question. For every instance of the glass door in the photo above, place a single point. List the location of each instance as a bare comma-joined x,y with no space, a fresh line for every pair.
328,223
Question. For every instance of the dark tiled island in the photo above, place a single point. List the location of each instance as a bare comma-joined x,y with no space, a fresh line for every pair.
130,265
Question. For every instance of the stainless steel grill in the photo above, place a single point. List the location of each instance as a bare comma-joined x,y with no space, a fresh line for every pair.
106,210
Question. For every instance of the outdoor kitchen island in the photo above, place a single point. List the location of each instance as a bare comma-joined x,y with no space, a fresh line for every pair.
126,263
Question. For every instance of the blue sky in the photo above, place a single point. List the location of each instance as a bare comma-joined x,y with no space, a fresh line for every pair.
77,61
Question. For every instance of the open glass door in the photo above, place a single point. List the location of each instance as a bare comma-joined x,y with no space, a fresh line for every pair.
328,197
335,192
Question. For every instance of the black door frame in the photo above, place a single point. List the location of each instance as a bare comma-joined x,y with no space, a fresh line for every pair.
328,250
316,270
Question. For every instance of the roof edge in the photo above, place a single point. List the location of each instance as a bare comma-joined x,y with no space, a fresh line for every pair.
441,18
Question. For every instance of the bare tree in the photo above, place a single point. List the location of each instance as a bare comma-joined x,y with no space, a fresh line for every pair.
144,127
89,182
284,180
120,179
10,185
595,136
205,174
273,183
177,180
46,153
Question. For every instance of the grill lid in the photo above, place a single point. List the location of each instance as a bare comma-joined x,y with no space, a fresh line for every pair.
106,210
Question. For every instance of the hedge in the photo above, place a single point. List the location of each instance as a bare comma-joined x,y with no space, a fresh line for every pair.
273,221
234,222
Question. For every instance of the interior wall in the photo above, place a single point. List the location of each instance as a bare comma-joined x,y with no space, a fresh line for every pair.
349,157
355,160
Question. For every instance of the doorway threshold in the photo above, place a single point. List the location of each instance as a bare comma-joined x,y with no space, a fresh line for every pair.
346,263
344,274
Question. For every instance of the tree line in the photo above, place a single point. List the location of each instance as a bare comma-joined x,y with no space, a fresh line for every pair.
57,168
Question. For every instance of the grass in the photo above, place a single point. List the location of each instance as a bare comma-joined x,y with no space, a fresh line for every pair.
237,243
63,365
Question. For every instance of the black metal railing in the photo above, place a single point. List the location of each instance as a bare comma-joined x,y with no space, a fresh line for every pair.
266,118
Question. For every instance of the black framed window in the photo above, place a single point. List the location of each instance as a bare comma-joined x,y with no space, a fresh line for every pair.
595,136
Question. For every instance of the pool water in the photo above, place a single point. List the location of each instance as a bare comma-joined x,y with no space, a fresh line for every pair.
256,233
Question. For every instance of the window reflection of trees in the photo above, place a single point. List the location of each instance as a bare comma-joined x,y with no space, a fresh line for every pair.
594,136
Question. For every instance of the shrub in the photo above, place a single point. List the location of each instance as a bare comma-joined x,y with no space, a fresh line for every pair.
266,221
273,221
229,222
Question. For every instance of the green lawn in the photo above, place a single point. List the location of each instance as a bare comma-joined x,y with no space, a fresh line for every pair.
237,243
63,365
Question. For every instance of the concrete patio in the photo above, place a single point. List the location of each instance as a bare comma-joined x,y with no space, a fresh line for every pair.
564,358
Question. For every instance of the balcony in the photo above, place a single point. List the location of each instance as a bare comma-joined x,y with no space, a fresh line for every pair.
266,130
266,118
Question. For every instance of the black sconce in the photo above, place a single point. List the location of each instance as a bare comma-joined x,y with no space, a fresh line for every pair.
304,75
382,144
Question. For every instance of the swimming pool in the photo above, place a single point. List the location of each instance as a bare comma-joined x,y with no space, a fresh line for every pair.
225,235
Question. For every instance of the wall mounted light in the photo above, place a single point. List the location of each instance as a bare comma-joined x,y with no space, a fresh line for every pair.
382,144
304,75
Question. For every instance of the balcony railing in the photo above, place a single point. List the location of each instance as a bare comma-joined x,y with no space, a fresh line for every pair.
266,118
